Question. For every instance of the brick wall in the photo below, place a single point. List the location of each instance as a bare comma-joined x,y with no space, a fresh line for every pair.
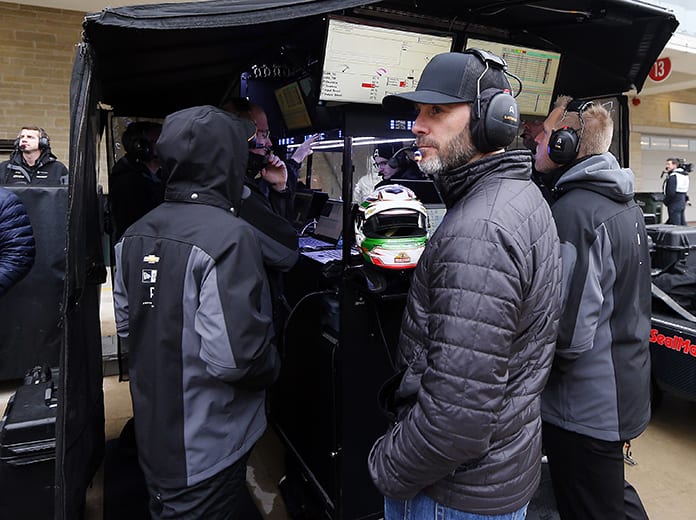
37,49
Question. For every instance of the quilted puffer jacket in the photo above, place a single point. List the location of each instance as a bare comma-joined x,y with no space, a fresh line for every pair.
17,248
476,346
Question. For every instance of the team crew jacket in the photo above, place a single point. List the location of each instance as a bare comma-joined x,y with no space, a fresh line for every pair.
600,382
200,344
47,170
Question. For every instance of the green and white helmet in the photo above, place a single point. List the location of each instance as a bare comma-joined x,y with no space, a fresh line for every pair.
390,227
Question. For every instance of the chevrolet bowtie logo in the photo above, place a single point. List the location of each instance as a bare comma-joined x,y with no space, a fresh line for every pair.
151,259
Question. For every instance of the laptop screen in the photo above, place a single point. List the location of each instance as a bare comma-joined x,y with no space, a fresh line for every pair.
330,221
308,204
303,200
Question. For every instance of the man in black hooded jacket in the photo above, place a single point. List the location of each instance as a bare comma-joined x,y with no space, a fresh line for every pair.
191,298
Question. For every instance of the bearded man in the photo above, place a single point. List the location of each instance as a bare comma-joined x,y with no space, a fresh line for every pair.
478,332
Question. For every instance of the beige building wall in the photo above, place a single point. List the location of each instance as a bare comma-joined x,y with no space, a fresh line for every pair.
651,116
37,50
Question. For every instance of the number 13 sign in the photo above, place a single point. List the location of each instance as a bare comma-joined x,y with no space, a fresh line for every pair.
660,70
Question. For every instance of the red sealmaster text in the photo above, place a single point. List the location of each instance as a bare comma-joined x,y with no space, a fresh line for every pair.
673,342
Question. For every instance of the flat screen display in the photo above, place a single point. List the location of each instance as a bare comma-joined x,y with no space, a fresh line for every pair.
364,63
536,68
292,106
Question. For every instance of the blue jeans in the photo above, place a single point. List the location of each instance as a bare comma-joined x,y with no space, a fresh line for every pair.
422,507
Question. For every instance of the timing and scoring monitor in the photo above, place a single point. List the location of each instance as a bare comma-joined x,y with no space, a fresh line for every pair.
363,63
536,68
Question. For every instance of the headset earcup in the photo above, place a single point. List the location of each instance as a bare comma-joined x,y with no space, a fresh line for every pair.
399,160
563,145
44,143
498,124
142,149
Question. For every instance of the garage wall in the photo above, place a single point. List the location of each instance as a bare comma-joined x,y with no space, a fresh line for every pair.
37,48
649,119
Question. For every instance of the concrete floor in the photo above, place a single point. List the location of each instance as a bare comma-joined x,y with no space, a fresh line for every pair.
665,473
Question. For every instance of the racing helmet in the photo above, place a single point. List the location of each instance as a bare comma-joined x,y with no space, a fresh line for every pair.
390,227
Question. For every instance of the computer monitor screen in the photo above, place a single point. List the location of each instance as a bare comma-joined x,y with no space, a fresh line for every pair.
292,106
536,68
308,206
363,63
425,189
330,223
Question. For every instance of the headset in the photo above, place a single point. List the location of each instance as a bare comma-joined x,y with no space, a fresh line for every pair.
400,160
135,143
44,141
564,143
495,116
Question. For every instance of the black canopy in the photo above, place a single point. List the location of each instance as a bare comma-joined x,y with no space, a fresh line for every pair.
154,59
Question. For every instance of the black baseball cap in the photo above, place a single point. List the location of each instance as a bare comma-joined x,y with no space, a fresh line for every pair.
451,77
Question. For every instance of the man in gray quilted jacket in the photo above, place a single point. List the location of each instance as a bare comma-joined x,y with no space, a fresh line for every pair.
478,332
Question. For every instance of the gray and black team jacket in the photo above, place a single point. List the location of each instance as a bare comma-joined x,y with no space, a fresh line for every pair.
46,171
189,291
599,384
476,344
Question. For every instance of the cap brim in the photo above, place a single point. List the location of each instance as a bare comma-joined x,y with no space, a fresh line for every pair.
424,97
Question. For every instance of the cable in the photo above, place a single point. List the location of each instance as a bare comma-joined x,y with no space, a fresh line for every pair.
381,333
297,305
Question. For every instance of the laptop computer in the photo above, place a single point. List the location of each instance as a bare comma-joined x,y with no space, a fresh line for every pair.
307,207
328,229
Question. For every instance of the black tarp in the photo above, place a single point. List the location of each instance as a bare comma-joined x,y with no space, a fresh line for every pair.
80,418
151,60
31,312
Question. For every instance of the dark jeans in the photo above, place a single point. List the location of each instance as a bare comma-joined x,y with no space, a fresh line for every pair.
221,497
676,217
588,477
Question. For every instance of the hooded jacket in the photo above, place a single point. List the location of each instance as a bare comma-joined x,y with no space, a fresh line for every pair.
47,170
600,382
476,345
17,247
188,293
